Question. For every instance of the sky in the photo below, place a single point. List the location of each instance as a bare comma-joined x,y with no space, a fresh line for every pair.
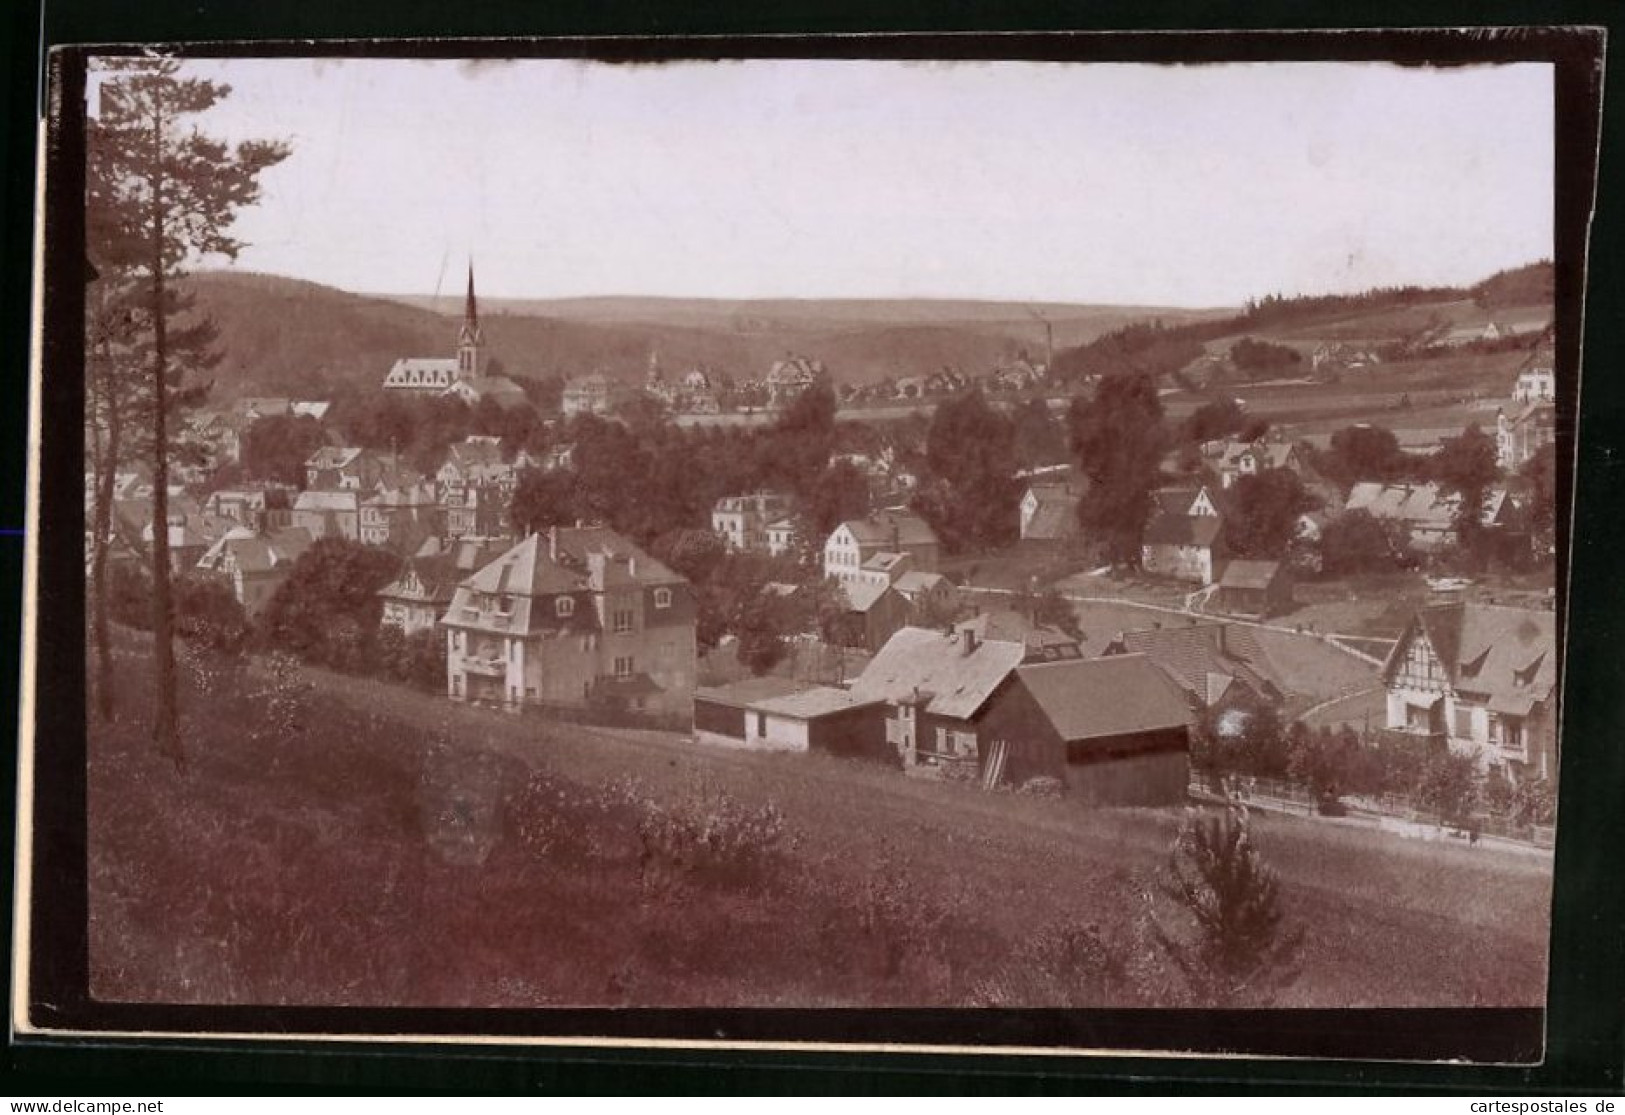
1118,184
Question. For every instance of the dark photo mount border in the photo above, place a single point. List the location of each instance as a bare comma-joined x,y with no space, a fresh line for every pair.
58,965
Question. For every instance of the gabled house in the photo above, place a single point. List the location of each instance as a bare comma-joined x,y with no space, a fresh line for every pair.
1218,666
1537,379
1483,679
874,613
1234,459
1049,516
1254,588
574,617
781,536
792,377
936,688
927,593
500,390
1185,537
742,521
1115,731
417,599
855,541
255,564
329,514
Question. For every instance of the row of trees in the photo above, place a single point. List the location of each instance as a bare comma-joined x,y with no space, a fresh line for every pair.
159,194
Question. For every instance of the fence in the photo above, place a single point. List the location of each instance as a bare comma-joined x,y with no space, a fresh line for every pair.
1274,791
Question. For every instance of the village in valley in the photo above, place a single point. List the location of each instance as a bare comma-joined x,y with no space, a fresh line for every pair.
792,620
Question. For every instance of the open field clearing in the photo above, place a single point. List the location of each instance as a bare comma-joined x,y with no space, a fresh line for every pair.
397,849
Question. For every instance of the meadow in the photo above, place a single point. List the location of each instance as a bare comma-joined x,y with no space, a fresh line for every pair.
355,843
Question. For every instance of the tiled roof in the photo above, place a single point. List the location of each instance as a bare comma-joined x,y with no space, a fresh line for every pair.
1419,505
808,703
1055,518
954,683
749,691
1196,654
1507,654
863,595
1091,698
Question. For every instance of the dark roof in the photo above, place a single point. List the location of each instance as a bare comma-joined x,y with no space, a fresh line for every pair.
1055,517
1171,529
892,528
1091,698
743,694
1248,574
1508,654
1203,658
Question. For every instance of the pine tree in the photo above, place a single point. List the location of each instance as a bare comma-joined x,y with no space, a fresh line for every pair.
165,194
1239,951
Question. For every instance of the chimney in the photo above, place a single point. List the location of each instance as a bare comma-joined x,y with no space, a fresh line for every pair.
553,543
969,637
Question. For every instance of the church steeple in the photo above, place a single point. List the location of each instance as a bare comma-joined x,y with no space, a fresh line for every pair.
469,338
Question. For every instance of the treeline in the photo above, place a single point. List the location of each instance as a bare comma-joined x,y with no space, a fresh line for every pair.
1157,350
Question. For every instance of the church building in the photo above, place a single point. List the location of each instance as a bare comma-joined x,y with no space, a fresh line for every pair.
436,375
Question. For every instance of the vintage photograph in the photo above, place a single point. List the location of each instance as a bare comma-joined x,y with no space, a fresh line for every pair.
816,532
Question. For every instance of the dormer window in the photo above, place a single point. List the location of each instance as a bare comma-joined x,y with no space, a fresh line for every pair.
662,597
565,606
505,604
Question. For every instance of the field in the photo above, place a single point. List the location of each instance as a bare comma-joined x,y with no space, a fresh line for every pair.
391,848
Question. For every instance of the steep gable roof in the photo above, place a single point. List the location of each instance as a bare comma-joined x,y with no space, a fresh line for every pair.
953,682
892,528
1246,573
1506,654
1171,529
1088,698
1193,654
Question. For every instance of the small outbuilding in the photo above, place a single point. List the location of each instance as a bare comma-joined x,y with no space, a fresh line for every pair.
778,714
1255,588
1113,730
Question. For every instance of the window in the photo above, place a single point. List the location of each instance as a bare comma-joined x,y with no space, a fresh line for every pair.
622,619
942,740
623,666
761,724
1464,722
662,597
565,606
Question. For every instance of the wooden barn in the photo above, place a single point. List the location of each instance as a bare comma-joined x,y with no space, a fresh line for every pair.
1113,730
778,714
1254,588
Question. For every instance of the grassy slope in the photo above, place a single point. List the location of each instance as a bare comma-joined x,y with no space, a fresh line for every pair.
331,868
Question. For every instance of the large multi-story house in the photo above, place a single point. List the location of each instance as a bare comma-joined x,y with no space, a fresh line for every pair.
1537,379
574,617
1483,678
855,541
1523,432
742,521
1185,537
1049,516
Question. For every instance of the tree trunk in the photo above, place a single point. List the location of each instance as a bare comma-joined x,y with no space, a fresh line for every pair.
165,721
106,470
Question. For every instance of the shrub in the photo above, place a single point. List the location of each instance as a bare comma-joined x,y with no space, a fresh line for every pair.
206,612
705,835
1043,786
281,700
1448,786
1237,950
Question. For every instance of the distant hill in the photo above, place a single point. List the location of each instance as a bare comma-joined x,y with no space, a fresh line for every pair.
281,335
